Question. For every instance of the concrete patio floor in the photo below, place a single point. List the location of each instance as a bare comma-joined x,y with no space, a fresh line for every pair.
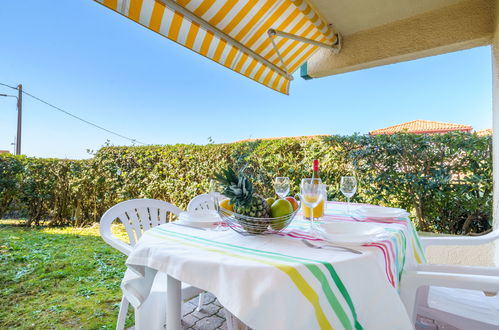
212,317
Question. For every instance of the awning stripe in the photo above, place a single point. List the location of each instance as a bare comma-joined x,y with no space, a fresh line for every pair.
234,32
315,19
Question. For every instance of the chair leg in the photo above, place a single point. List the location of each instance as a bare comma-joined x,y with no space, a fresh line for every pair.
120,325
200,302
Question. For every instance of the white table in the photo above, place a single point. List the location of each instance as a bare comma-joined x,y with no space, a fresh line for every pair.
275,281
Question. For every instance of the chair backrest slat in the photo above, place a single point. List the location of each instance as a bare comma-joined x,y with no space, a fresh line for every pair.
154,214
203,202
145,220
134,218
128,227
163,216
137,216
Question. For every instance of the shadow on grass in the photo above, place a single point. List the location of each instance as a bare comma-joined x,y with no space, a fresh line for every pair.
58,278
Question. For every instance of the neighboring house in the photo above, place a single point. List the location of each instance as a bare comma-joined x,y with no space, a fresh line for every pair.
423,127
484,132
4,152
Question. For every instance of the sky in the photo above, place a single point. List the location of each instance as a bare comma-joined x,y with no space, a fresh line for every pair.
96,64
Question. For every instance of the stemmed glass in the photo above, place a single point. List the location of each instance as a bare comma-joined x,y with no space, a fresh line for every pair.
348,187
215,190
281,186
311,193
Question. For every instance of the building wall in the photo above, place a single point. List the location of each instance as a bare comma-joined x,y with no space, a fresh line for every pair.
479,255
495,122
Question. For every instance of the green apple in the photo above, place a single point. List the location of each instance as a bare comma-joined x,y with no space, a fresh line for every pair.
270,201
281,207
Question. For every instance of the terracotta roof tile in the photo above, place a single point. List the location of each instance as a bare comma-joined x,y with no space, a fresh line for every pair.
484,132
422,127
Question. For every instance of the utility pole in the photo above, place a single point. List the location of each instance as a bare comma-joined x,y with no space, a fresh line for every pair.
19,117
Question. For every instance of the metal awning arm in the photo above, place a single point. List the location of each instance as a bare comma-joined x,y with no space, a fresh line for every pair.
272,41
335,48
207,26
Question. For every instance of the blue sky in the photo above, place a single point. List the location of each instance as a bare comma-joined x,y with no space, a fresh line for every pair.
103,67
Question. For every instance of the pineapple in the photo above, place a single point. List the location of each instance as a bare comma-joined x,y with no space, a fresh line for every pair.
239,189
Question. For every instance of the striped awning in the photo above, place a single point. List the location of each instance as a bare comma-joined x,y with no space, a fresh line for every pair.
265,40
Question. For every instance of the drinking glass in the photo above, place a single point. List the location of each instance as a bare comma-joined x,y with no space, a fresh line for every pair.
311,195
215,190
348,187
281,186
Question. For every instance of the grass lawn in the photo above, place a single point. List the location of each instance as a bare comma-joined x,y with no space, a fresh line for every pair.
58,278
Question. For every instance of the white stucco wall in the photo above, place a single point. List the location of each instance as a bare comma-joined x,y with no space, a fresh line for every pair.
479,255
495,123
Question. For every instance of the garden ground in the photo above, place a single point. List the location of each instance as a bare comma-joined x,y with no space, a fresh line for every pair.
58,278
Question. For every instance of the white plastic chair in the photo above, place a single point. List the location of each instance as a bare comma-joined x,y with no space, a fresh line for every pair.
203,202
465,297
138,216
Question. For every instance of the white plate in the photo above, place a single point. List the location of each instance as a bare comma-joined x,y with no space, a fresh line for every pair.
349,232
199,218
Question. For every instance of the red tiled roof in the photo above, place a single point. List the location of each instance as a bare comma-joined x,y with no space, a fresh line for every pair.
422,127
4,152
484,132
284,137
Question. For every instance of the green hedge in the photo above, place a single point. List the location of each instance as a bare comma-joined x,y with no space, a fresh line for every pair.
444,180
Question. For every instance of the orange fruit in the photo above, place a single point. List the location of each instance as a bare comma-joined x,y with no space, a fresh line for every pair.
293,202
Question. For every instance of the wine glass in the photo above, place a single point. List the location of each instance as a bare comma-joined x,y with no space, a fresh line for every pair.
348,187
281,186
311,195
215,190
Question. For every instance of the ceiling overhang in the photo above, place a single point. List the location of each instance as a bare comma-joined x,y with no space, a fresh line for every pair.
380,32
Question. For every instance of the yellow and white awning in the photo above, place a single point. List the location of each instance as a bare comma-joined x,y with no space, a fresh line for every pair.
265,40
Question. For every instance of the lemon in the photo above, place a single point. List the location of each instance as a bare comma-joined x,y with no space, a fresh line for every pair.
225,204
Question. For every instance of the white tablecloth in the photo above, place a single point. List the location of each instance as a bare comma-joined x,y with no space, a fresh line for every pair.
276,282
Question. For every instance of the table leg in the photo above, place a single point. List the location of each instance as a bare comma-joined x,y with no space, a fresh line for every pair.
173,304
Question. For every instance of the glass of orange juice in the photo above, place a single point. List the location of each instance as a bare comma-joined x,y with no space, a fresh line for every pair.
311,195
319,210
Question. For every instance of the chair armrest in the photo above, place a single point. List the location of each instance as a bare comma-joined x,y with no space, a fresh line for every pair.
118,244
460,240
412,280
451,280
458,269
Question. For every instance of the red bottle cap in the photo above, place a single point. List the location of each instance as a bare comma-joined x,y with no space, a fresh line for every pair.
316,165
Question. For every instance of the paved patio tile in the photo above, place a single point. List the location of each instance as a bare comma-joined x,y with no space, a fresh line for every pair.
212,317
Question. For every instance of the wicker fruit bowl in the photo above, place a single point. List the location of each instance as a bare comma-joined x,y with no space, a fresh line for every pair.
245,225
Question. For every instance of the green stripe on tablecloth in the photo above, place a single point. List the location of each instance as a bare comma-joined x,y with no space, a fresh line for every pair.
290,271
312,268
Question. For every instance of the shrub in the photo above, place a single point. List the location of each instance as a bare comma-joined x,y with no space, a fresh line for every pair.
444,180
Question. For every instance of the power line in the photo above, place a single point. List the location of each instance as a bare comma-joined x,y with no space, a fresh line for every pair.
76,117
8,86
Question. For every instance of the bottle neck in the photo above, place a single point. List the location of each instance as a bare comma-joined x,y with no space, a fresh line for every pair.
315,170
